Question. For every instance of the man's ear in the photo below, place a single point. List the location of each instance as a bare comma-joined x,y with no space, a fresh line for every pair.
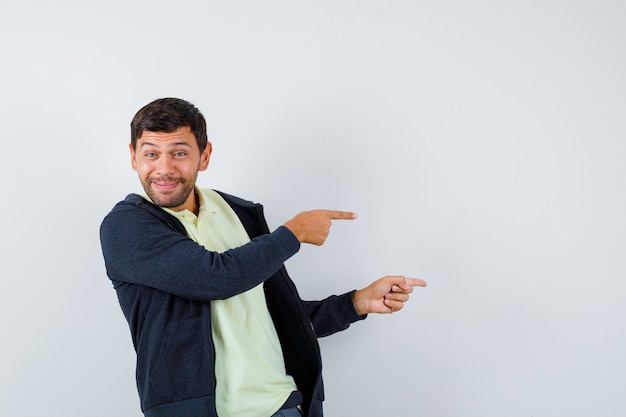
133,161
205,156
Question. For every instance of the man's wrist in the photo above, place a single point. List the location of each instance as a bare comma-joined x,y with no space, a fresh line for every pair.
360,302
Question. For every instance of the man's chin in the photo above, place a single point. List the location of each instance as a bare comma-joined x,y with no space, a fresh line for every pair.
166,201
166,204
167,198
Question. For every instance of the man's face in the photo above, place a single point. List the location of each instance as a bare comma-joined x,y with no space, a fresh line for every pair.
168,164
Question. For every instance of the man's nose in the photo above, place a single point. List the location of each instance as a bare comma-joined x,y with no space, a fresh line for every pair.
165,165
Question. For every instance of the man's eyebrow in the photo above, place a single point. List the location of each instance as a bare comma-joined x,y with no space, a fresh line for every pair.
173,145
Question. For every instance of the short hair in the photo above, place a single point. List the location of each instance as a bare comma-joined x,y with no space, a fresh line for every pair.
167,115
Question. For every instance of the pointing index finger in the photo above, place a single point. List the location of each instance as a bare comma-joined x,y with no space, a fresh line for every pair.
416,282
341,215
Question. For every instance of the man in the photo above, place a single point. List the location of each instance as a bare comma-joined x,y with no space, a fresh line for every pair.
217,324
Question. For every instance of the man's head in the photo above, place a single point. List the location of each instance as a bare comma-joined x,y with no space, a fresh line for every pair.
167,115
168,147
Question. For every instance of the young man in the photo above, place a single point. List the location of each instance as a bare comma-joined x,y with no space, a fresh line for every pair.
217,324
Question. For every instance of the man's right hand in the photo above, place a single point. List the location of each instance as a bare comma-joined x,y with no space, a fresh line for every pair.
313,226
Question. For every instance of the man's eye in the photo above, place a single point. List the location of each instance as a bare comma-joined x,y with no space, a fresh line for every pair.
180,154
150,155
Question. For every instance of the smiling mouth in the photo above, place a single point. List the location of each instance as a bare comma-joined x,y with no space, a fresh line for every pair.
165,185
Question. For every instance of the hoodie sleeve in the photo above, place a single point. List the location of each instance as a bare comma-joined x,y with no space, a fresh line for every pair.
333,314
139,248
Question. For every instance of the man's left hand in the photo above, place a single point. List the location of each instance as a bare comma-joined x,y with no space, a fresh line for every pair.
386,295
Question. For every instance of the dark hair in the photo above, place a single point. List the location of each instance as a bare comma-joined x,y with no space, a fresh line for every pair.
167,115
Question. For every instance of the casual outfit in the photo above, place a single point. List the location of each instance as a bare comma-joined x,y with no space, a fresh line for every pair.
217,324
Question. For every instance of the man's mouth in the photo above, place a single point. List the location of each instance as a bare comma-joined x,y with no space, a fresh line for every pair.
165,185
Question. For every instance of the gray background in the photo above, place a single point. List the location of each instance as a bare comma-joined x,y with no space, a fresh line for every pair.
481,143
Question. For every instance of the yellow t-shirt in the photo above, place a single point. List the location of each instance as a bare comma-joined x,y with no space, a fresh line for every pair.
249,365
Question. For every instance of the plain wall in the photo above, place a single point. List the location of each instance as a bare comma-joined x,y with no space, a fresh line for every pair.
481,142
